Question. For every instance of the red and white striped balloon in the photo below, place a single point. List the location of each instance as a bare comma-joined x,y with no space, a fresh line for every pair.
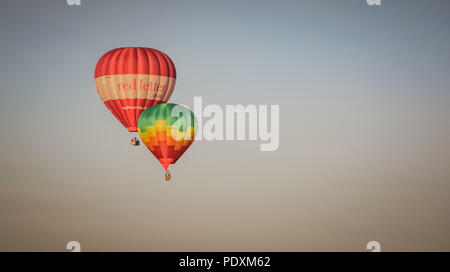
131,79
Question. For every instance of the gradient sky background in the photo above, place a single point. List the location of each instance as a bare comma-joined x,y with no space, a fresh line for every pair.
364,95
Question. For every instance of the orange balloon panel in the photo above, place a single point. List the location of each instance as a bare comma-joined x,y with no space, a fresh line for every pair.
131,79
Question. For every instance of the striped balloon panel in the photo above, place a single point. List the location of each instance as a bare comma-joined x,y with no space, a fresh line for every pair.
129,80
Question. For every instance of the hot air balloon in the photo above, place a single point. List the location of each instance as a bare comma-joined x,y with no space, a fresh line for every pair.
167,130
131,79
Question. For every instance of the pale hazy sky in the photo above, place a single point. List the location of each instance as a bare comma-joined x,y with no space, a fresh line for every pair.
364,97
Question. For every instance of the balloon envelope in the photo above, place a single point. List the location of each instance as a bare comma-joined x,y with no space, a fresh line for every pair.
167,130
131,79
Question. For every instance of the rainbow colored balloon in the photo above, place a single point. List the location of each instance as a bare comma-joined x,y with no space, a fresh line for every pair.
167,130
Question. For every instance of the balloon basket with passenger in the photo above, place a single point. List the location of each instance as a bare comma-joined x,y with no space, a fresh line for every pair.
168,176
135,142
